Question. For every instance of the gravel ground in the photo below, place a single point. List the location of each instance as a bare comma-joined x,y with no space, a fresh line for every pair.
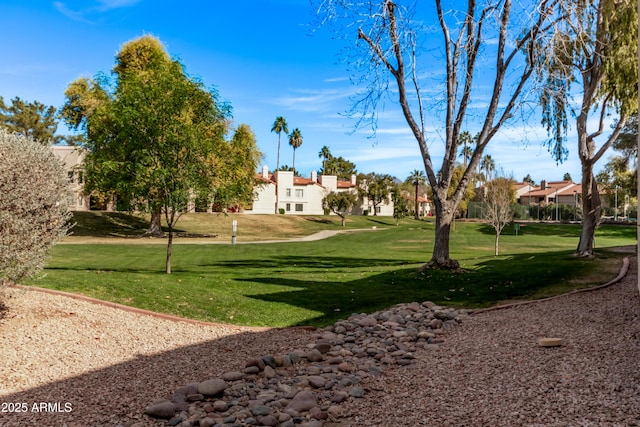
94,365
491,371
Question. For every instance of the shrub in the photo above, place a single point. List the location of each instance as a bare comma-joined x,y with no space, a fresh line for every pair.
33,205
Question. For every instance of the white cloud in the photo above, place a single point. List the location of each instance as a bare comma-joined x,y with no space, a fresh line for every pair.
102,6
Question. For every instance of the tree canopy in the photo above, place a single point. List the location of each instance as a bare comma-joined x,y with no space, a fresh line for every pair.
31,120
155,137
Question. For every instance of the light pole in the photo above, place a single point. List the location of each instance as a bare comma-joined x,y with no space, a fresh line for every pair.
575,205
557,205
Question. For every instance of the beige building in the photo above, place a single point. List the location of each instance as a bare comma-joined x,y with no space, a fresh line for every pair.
72,159
303,196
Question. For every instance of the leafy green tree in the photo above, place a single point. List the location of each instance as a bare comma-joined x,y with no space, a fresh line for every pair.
388,40
340,203
279,125
376,188
295,141
417,178
529,180
234,177
30,119
469,192
157,139
400,208
339,167
596,49
34,213
87,104
567,177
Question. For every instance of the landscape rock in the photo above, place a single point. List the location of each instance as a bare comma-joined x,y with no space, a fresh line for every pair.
212,387
305,387
303,401
163,409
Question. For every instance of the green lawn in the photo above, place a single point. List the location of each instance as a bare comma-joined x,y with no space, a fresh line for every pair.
316,283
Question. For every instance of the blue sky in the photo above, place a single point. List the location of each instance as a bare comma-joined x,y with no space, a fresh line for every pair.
261,58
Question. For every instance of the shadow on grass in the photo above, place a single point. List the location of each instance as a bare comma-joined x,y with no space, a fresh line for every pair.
491,281
535,229
110,224
291,262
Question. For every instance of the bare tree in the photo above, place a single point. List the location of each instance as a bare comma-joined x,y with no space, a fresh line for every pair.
388,39
499,196
33,205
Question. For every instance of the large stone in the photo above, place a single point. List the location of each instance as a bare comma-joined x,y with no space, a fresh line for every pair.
268,420
269,360
232,376
212,387
302,401
259,363
269,372
367,321
260,410
356,392
164,409
314,356
316,381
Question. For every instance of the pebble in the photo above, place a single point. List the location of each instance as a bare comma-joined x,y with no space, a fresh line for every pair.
306,386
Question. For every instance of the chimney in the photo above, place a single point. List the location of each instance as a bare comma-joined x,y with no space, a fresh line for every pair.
543,184
353,179
314,176
265,172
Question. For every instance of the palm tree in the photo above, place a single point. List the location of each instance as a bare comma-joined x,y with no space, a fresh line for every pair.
324,154
295,140
467,151
417,178
279,126
488,165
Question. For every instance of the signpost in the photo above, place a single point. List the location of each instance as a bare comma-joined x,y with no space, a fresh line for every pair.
234,229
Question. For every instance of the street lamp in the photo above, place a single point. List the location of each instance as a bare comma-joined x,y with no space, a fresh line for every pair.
575,205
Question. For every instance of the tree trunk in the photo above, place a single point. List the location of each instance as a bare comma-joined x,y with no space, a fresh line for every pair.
342,219
417,215
169,248
444,219
275,175
497,243
591,211
155,225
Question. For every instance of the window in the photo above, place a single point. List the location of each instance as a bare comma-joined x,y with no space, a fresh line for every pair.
288,192
80,177
70,176
378,209
288,208
299,192
299,207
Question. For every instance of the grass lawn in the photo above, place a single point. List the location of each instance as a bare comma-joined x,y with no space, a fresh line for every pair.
316,283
